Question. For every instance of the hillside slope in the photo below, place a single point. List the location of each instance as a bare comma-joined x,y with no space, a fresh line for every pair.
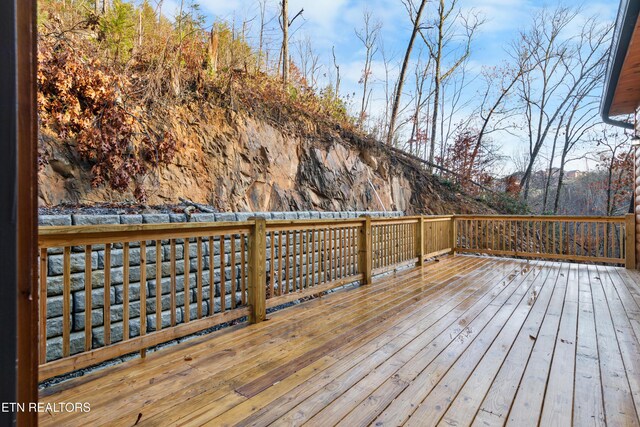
193,115
237,162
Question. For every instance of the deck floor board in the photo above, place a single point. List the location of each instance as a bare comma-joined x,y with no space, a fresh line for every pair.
466,340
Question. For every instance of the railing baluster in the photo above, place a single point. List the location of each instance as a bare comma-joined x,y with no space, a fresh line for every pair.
212,285
606,239
88,304
222,245
158,285
313,257
173,294
125,293
143,292
287,266
325,259
300,279
66,302
107,294
186,315
335,254
272,265
343,252
280,270
199,301
234,282
243,271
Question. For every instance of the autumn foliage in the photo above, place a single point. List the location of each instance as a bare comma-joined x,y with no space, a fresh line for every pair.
87,104
106,81
470,162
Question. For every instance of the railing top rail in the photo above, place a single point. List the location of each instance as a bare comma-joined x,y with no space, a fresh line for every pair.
314,223
580,218
70,235
398,221
397,218
438,218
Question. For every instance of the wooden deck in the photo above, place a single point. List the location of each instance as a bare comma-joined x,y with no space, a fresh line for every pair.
466,340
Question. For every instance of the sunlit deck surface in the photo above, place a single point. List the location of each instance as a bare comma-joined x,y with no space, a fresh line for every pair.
466,340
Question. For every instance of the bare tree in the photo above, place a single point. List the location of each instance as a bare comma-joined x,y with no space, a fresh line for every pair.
368,35
582,119
263,23
285,23
416,17
499,84
285,43
550,171
561,65
337,67
448,23
420,99
309,61
454,101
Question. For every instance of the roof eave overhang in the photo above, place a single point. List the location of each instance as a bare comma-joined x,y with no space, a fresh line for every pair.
625,26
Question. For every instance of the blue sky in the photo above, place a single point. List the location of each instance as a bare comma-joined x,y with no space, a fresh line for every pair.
329,23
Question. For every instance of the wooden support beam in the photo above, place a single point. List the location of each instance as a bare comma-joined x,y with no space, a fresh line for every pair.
257,271
630,249
420,241
454,235
365,251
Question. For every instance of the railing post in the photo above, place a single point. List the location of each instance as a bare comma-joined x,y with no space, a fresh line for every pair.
630,249
454,234
257,271
420,241
365,251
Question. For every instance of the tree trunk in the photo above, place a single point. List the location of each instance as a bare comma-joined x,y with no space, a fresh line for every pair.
335,64
403,71
213,49
549,172
434,118
556,204
285,43
436,87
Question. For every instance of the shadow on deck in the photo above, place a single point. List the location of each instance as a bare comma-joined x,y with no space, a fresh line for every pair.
460,341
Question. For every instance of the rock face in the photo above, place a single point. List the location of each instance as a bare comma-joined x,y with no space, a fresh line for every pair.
239,163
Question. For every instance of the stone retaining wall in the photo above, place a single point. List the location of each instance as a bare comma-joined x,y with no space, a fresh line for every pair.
55,278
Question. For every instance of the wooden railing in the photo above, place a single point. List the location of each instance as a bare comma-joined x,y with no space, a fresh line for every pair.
393,243
102,293
572,238
116,290
310,256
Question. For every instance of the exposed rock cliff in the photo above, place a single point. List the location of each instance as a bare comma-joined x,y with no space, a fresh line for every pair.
239,163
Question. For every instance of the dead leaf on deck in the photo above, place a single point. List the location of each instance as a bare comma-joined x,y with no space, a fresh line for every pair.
188,358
